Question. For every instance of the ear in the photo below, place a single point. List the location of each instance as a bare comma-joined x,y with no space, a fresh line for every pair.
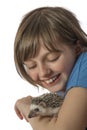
78,48
43,104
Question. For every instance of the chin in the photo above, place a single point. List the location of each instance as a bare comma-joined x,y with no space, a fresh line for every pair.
56,88
53,90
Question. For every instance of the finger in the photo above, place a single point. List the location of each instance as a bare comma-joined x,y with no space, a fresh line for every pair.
18,113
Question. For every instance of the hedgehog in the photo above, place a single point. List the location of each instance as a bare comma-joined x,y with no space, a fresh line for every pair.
47,104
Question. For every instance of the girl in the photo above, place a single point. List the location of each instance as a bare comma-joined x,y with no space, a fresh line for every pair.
50,50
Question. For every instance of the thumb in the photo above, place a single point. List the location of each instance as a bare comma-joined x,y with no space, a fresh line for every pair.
18,113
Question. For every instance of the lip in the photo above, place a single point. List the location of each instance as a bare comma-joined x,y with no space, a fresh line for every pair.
57,79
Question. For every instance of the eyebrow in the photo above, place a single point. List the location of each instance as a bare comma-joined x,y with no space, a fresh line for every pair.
45,55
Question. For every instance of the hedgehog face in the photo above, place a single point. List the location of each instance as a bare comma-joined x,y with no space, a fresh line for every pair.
36,110
45,105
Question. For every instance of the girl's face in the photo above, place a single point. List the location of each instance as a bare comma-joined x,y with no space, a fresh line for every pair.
51,69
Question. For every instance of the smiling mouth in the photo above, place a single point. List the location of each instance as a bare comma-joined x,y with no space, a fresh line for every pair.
53,80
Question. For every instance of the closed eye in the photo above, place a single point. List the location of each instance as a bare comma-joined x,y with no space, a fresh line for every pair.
31,67
53,56
53,59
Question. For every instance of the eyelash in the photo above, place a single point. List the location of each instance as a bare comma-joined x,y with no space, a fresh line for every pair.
54,59
32,67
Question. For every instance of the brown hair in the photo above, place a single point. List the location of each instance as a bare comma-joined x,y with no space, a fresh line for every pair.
46,24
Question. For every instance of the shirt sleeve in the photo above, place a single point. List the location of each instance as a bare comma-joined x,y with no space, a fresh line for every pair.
78,76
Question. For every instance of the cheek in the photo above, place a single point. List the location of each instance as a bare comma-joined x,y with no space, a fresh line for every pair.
68,64
33,75
64,65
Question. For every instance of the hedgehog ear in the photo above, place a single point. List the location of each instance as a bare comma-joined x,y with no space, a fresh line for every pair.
43,104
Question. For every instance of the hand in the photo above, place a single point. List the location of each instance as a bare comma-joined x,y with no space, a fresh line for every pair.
22,107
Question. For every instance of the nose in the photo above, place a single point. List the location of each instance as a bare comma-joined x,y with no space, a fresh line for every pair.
44,70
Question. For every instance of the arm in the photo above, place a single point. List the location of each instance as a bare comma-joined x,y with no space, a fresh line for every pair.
72,115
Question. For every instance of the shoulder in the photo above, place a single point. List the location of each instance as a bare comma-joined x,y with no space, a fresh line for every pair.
80,63
78,76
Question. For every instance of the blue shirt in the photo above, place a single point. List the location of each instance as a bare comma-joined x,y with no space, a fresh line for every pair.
78,76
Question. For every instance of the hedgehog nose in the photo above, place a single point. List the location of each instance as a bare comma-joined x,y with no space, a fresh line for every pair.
29,116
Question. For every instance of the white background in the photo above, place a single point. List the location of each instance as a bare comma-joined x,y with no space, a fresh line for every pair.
12,86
